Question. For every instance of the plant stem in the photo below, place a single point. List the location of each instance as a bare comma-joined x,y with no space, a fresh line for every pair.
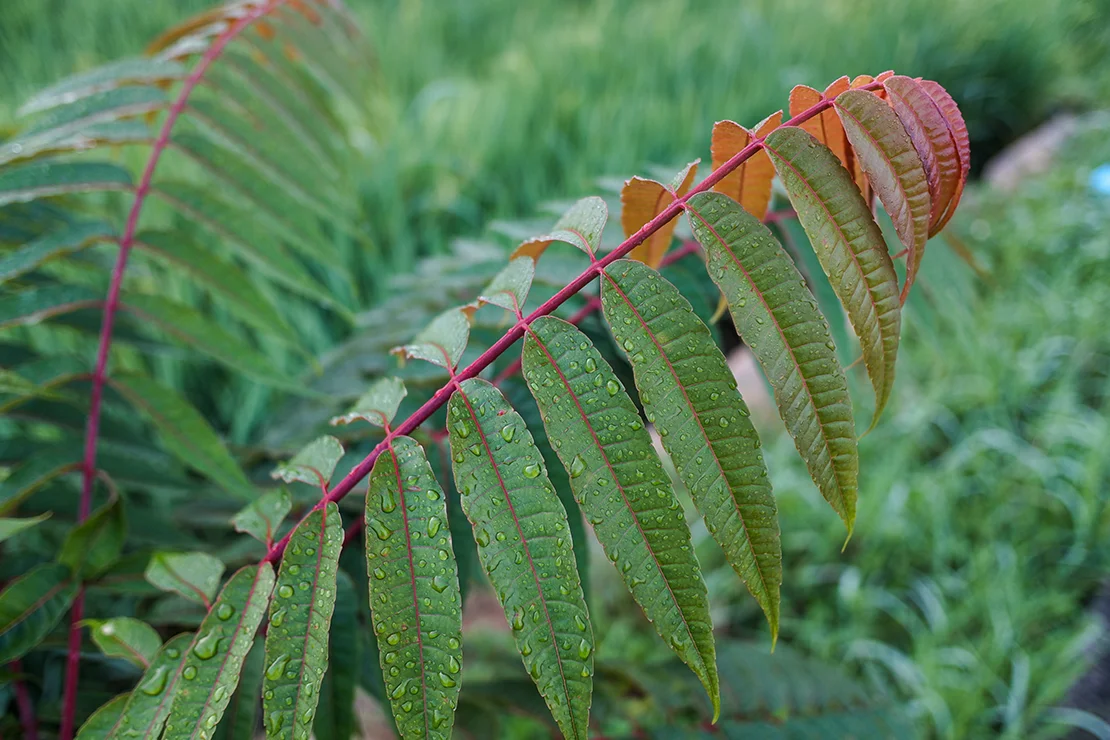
440,397
23,703
111,306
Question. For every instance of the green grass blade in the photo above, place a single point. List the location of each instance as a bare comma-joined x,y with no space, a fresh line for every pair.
849,246
778,318
521,530
31,606
212,664
620,483
691,397
414,591
335,714
300,620
149,704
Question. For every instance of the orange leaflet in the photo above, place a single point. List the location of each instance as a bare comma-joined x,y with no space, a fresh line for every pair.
750,183
265,30
826,127
641,201
955,121
194,24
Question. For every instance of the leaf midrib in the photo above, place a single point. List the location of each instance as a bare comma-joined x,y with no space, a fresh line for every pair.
701,428
624,497
22,617
527,554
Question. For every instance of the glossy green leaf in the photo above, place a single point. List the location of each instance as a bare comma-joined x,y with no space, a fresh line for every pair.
849,246
523,545
442,342
196,331
620,483
148,705
335,714
414,591
581,226
690,395
101,722
31,606
300,619
128,639
193,575
11,527
378,405
221,277
185,433
893,168
314,464
262,518
52,177
38,304
509,288
240,720
66,240
107,77
777,316
95,544
35,473
210,670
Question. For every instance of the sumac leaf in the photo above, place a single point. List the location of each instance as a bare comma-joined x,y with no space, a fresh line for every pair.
750,183
314,464
262,518
31,606
580,226
641,201
193,575
378,405
442,342
335,715
149,704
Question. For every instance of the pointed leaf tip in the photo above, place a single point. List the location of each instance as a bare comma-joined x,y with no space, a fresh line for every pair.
442,342
378,405
581,226
314,464
641,201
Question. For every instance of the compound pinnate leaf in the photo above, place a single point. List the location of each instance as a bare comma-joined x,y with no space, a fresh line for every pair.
193,575
509,288
42,179
300,620
750,183
261,519
690,395
378,405
523,544
335,717
96,543
641,201
958,128
580,226
442,342
893,167
149,704
414,591
778,318
621,485
849,246
101,722
31,606
210,670
185,432
933,139
314,464
123,637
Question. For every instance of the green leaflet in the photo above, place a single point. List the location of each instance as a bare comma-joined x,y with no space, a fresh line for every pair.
101,107
34,473
109,133
581,226
140,69
223,278
509,288
210,670
95,544
192,575
849,246
31,606
101,722
622,488
335,716
36,304
442,342
414,591
778,318
11,527
241,716
192,328
149,704
521,530
129,639
300,618
185,432
314,464
52,177
66,240
691,397
893,168
262,518
378,405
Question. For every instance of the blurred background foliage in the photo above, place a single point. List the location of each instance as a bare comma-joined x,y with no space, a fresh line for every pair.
981,538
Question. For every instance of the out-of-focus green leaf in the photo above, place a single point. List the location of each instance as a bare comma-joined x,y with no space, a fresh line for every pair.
193,575
42,179
67,240
31,606
314,464
261,518
95,544
123,637
11,527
